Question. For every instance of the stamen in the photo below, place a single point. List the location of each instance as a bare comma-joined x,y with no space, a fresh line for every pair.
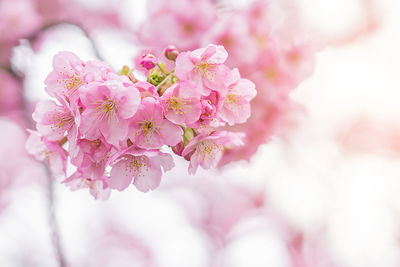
179,105
206,69
71,83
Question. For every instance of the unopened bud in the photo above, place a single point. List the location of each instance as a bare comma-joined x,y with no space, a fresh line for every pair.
171,52
148,61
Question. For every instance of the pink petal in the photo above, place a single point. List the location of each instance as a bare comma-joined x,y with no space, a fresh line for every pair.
120,177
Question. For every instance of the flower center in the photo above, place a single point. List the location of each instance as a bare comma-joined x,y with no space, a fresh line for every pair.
206,69
208,149
106,109
71,83
62,120
135,166
148,128
233,102
178,105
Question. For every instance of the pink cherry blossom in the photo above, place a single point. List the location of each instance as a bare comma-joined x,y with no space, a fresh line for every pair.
91,153
53,120
109,105
67,76
207,150
205,67
143,166
71,73
236,105
98,188
149,129
181,103
51,152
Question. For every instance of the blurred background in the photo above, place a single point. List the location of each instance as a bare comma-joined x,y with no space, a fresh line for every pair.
316,186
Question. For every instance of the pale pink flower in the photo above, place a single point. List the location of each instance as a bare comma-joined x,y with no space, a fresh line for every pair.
181,102
236,103
86,153
53,120
51,152
108,106
205,67
67,76
178,22
207,150
97,188
70,73
144,167
149,128
232,30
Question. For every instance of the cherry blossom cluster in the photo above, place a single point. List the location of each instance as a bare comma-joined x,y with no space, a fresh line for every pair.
115,130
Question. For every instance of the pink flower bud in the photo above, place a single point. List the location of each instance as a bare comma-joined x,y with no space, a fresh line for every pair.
178,149
171,52
148,61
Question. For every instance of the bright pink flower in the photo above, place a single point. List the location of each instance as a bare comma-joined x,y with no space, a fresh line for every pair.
149,129
236,105
207,150
108,106
98,188
52,152
181,102
143,166
52,120
205,67
148,61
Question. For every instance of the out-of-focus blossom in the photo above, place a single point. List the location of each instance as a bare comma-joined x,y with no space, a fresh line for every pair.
17,19
10,93
180,22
